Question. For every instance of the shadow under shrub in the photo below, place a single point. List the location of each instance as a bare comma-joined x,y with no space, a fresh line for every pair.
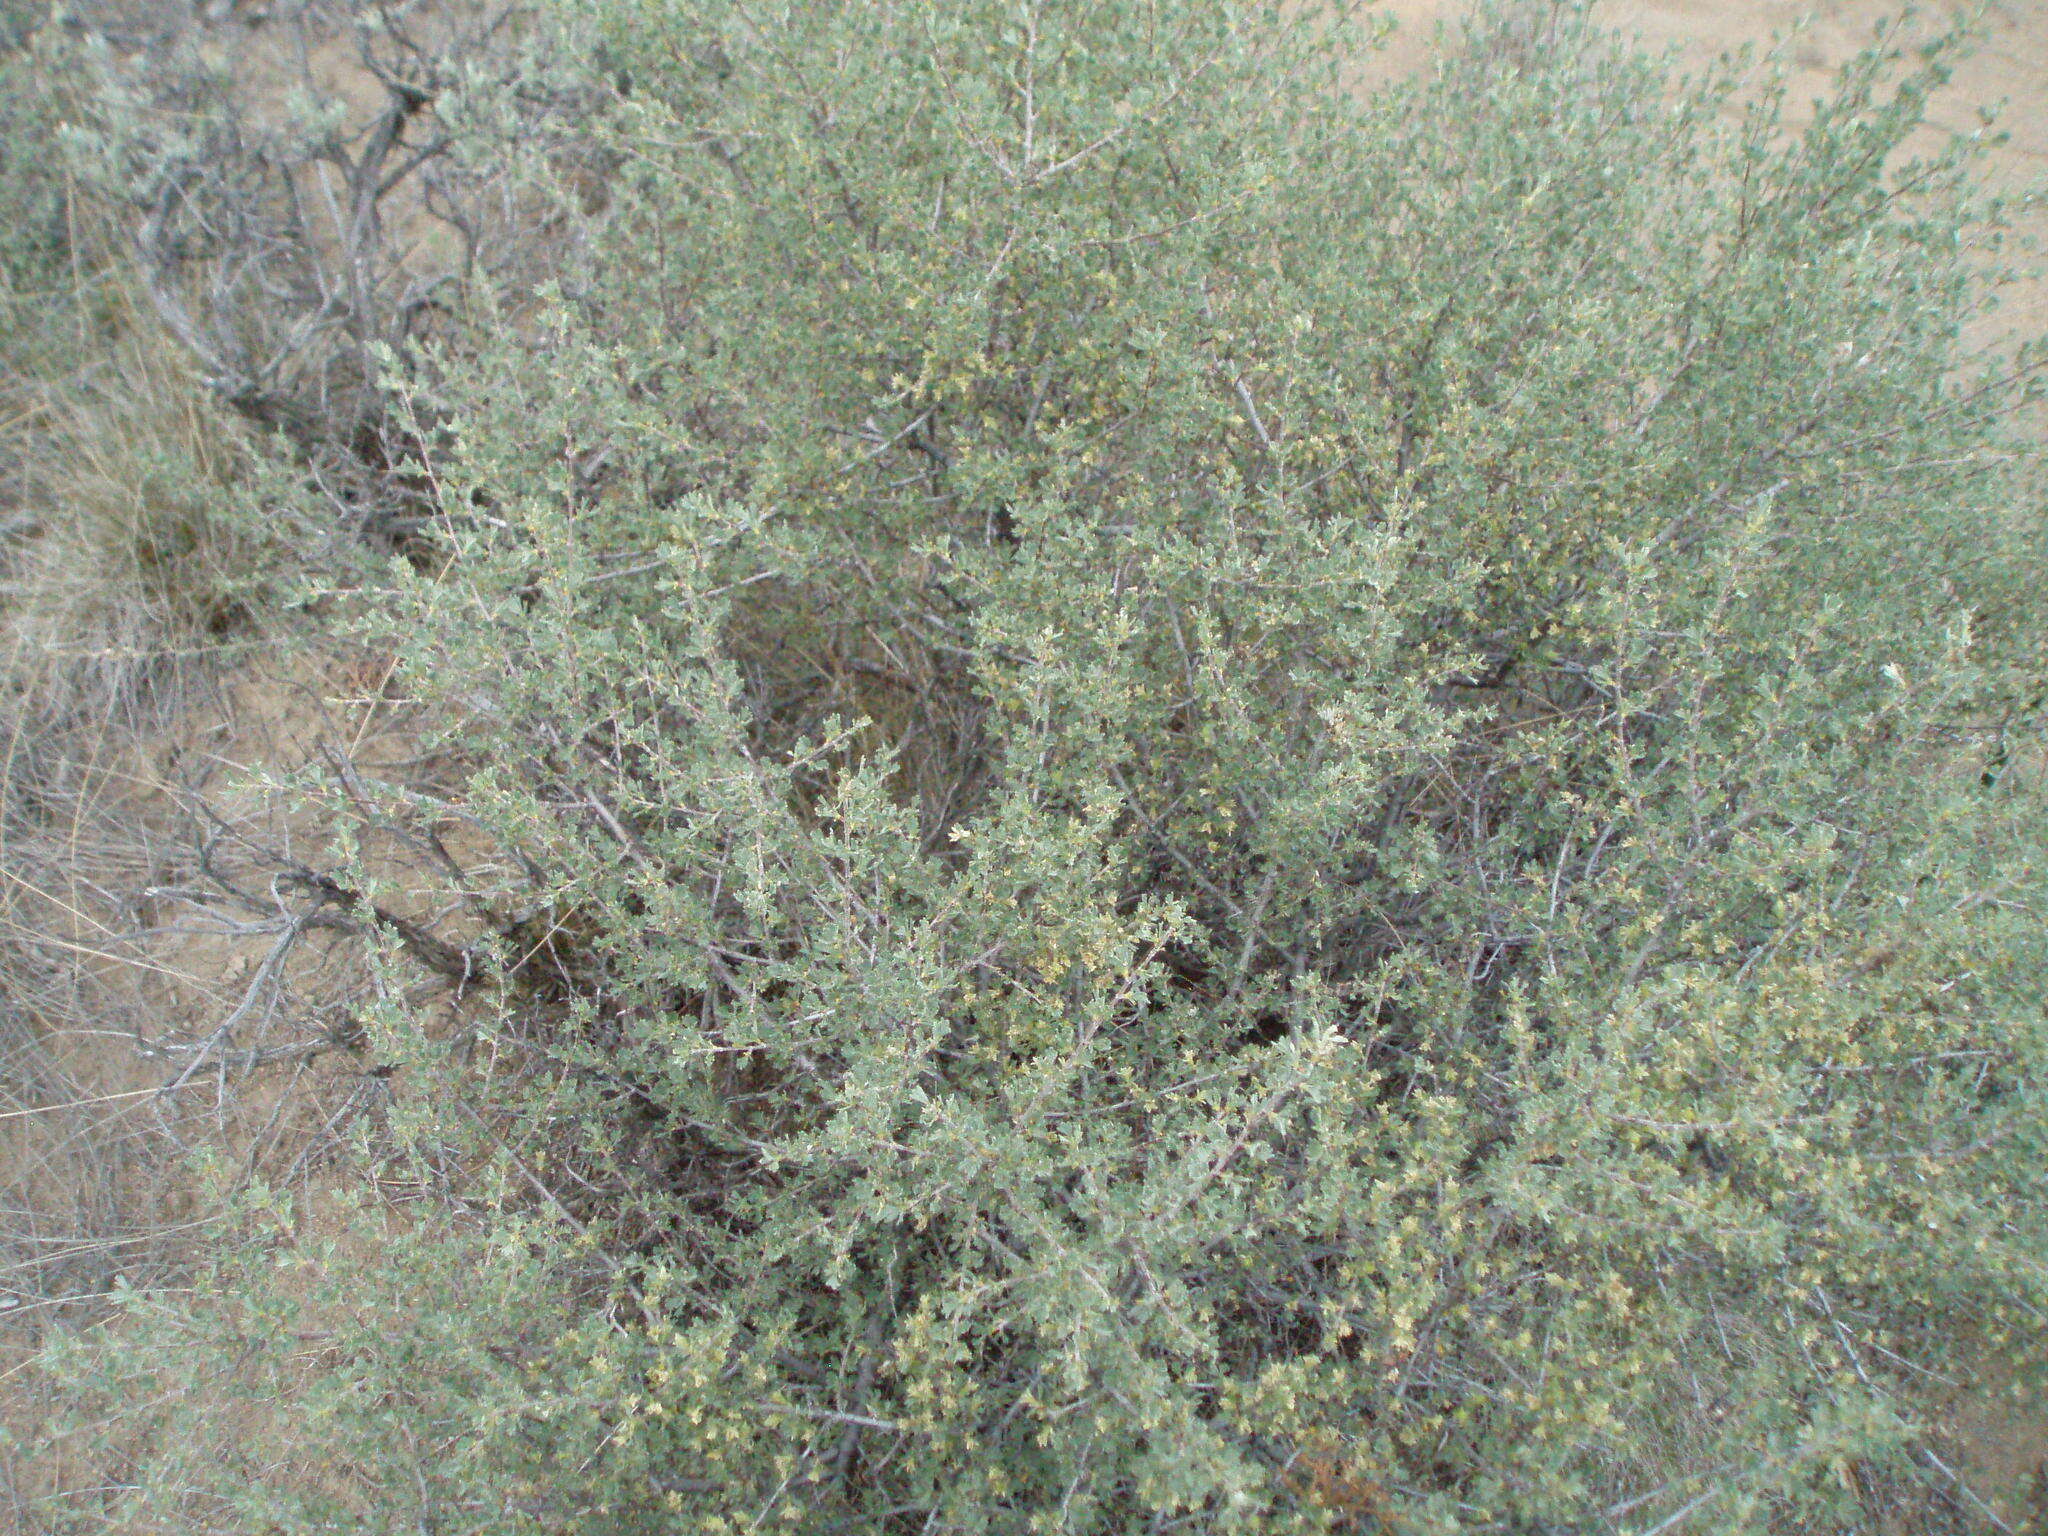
1256,811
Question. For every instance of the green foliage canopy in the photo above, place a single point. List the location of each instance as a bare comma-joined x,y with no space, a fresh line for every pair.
1243,807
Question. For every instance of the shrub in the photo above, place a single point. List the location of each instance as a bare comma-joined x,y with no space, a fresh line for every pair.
304,186
33,245
1234,810
121,552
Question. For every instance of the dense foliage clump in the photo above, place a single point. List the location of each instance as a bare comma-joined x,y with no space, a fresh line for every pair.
1224,805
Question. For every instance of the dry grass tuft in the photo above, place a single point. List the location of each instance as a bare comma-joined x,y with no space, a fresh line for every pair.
128,579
